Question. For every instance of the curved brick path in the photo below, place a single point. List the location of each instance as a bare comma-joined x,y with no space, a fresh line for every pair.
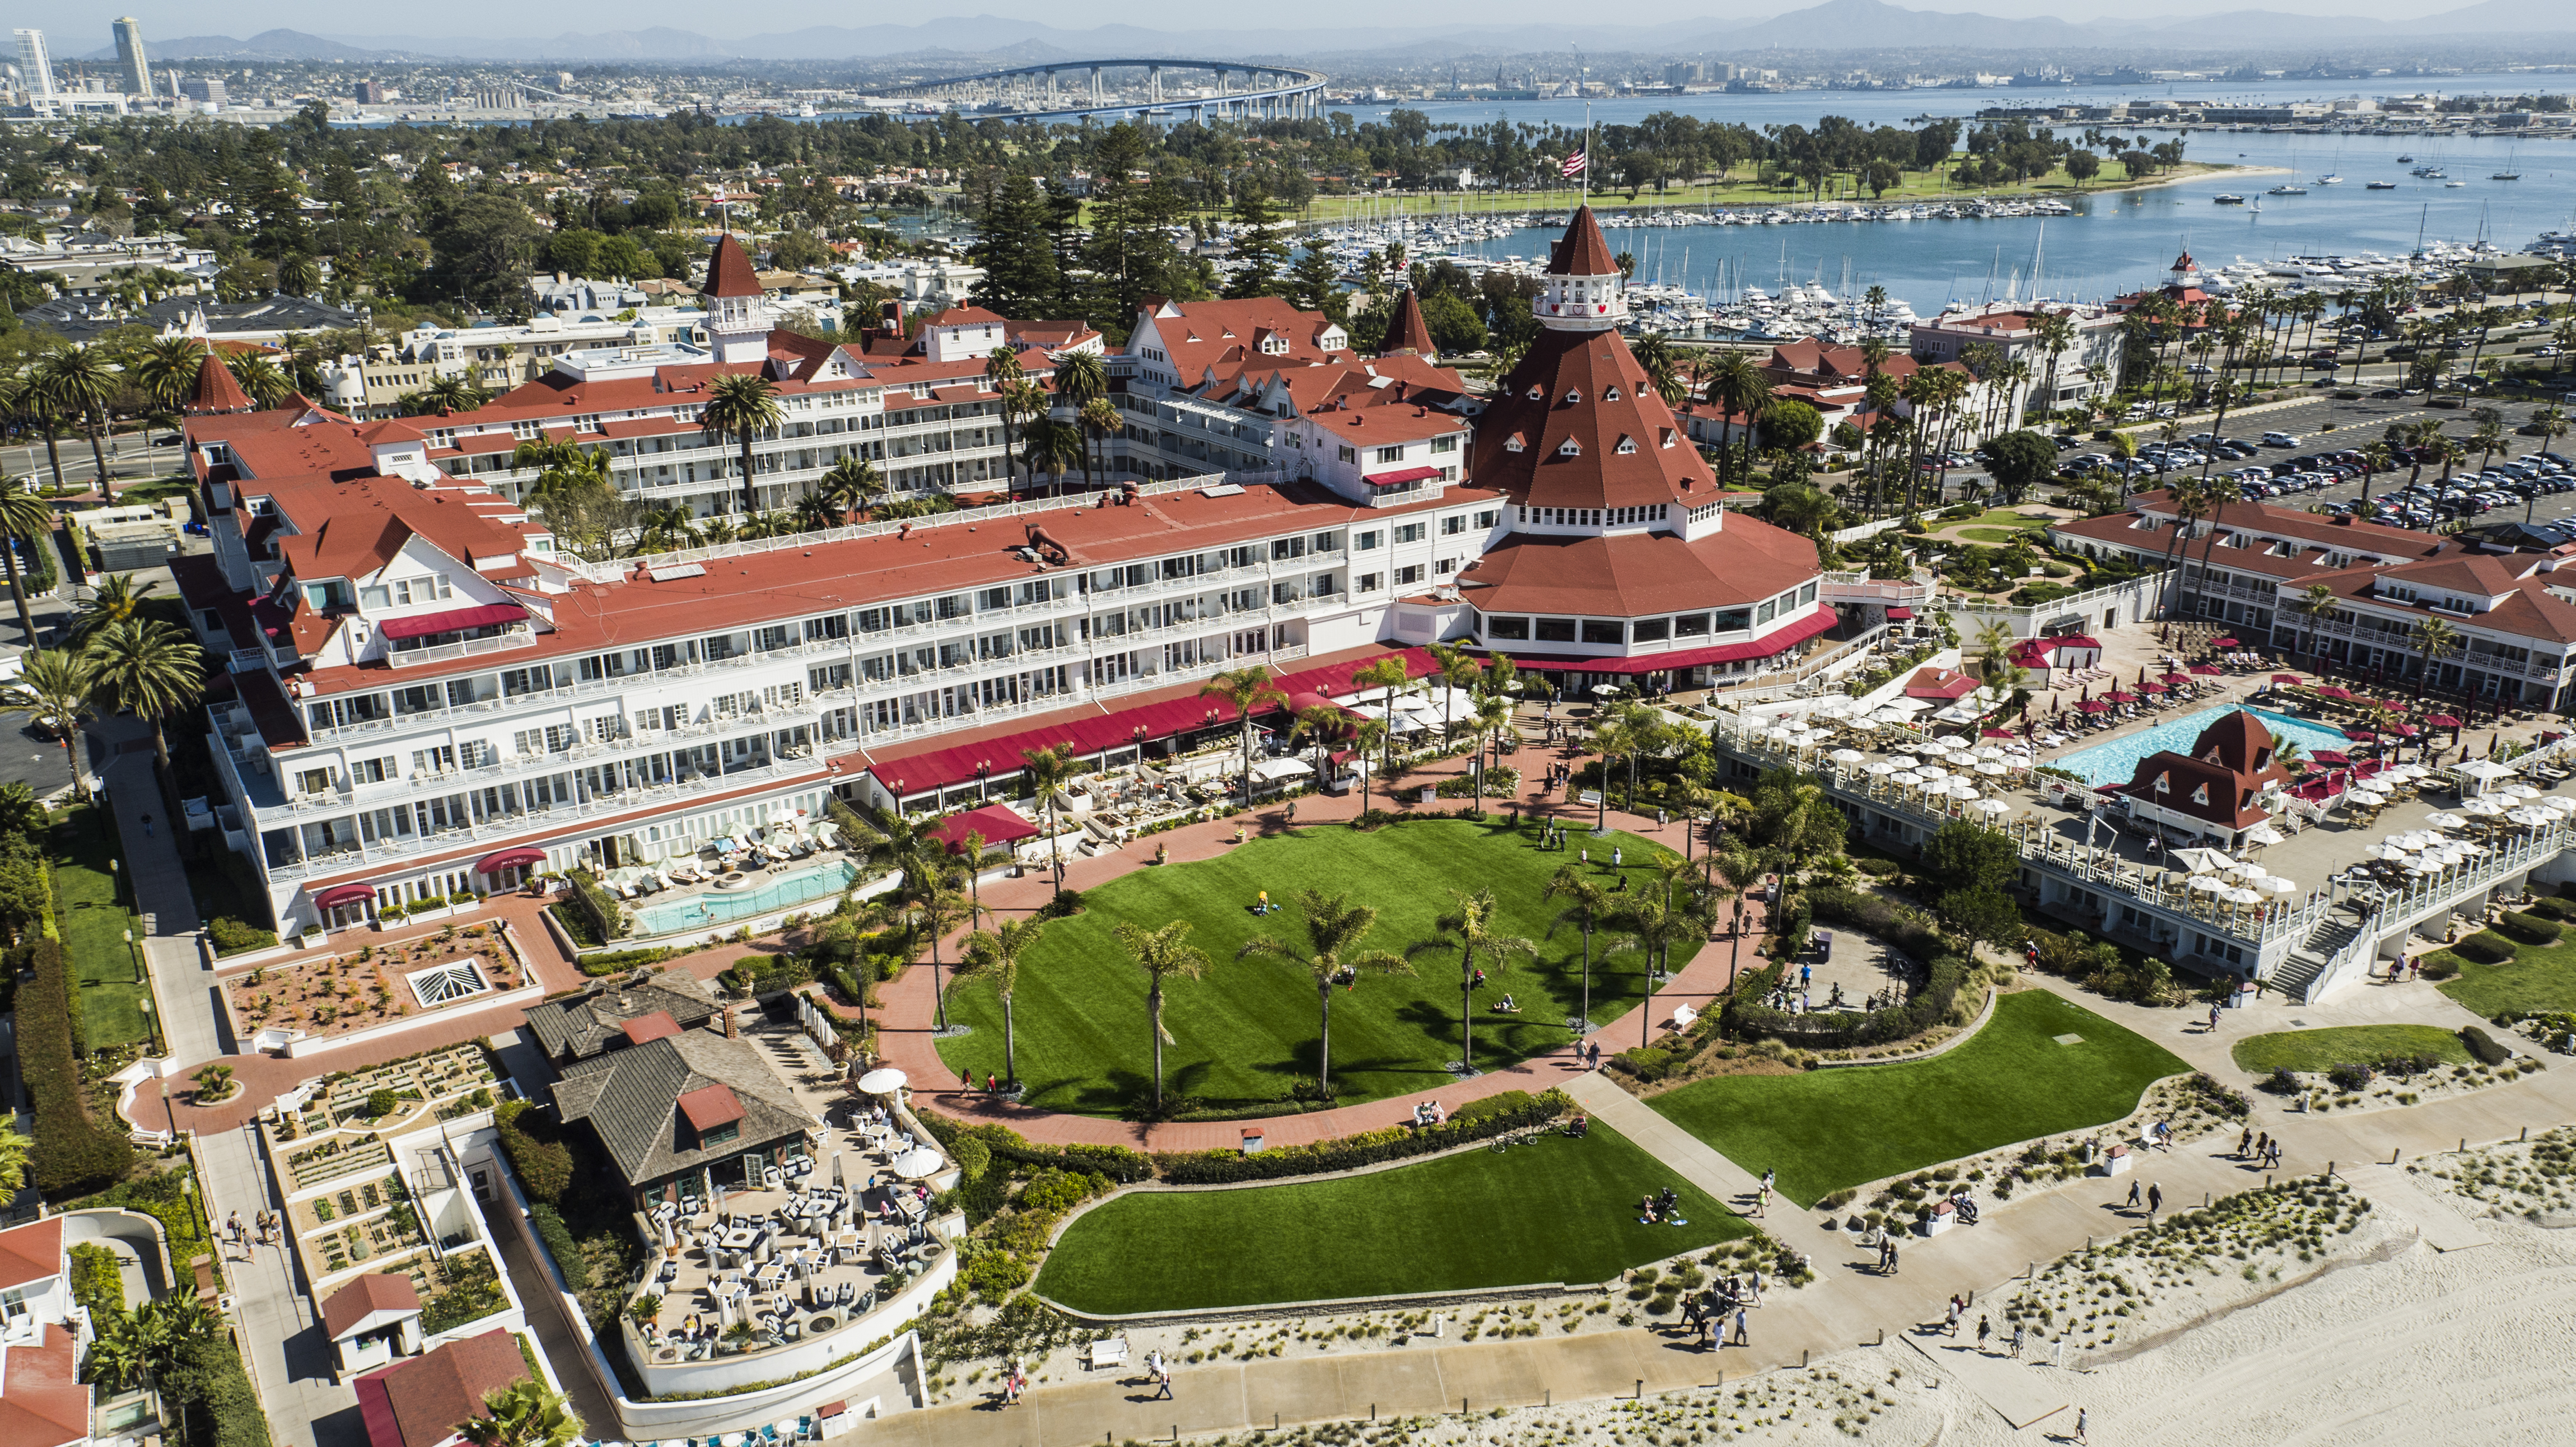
904,1022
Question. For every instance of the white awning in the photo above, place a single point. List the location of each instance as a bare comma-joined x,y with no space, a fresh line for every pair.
1271,771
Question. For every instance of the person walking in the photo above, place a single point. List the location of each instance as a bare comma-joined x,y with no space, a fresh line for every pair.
1743,1337
2244,1142
2016,1341
2263,1146
1891,1256
1618,855
2133,1195
1950,1323
2155,1200
1985,1329
1162,1378
2081,1422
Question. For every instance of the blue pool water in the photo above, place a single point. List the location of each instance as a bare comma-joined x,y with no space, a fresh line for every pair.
2116,762
784,892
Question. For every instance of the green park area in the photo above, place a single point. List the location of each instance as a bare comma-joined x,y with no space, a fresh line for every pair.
1243,1034
2538,979
2041,1065
94,925
2313,1051
1555,1209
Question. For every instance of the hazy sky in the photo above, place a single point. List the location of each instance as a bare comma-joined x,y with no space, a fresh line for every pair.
78,28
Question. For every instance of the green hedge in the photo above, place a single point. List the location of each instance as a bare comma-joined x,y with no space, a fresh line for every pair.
2486,947
543,1164
2531,928
558,1238
2441,965
2551,909
232,937
2484,1046
1908,931
73,1154
616,961
1494,1115
607,919
1118,1163
222,1408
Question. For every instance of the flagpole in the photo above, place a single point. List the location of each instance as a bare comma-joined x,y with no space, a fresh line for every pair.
1587,153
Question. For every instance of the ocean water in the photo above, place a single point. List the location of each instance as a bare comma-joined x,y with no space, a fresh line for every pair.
2116,761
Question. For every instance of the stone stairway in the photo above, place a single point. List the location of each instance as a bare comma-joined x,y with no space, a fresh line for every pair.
2310,959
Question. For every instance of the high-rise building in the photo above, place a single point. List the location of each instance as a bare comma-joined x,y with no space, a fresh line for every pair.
369,92
130,57
197,88
36,71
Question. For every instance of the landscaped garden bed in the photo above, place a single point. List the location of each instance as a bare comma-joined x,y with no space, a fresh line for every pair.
376,984
2373,1067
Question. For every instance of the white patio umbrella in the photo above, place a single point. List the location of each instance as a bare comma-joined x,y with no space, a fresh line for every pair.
2471,848
2382,851
1991,806
2558,803
2240,896
1909,778
918,1162
1986,751
1992,768
2206,883
1932,771
2531,818
1961,790
1847,756
2483,807
2519,791
2263,834
2273,884
2365,797
2445,821
883,1080
1881,769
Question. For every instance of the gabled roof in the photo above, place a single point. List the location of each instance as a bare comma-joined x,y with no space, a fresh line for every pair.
1409,332
42,1401
369,1302
424,1401
1940,683
2222,777
1638,575
31,1252
584,1024
1570,402
968,316
1581,251
630,1097
729,272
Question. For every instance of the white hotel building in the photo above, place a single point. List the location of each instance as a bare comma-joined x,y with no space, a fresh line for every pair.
422,694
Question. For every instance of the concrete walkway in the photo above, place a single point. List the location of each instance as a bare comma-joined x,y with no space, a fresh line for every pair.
290,1354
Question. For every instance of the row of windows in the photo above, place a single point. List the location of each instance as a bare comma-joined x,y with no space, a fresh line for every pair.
1613,631
1594,517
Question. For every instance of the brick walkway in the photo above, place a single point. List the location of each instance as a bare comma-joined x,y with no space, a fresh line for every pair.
904,1023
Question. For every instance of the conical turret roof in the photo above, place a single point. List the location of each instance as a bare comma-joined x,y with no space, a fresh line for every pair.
216,390
1408,332
1582,251
729,270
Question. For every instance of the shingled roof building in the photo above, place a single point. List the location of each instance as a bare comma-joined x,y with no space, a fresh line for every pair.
609,1015
2228,782
681,1111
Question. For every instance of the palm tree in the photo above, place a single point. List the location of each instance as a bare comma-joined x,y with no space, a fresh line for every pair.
1247,689
2220,491
1002,374
1743,869
1162,954
53,689
930,891
13,1157
1739,390
148,668
1386,671
1367,734
667,527
80,380
1100,420
815,513
994,955
165,370
2376,458
2189,502
118,599
1052,447
444,395
523,1414
851,485
1024,399
1591,905
1477,923
1322,723
1050,770
1458,669
1651,921
24,517
2433,637
1492,720
1334,928
744,404
2316,605
21,397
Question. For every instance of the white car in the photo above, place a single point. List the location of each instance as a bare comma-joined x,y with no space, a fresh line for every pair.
2279,439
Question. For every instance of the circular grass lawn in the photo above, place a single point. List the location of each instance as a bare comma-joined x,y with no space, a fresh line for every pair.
2315,1051
1557,1209
1246,1030
2042,1065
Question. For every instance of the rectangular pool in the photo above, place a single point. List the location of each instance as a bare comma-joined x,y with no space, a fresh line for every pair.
815,881
2116,762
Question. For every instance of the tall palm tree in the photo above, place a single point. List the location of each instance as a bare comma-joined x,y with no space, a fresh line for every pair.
1590,906
80,380
814,513
523,1414
443,396
1334,928
1026,400
1163,954
165,370
1050,769
2433,638
1002,374
1322,723
2189,501
930,892
54,690
148,668
24,517
1458,669
1052,447
667,527
1386,671
1248,689
1368,734
851,485
743,404
2376,458
1742,869
1651,921
2220,491
1492,720
1739,389
2316,605
994,957
13,1157
1477,923
118,599
1100,420
1081,379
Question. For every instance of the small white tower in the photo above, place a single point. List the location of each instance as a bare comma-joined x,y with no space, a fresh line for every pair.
1585,292
738,311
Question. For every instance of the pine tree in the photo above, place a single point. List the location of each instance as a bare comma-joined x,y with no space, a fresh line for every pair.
1131,254
1261,249
1315,285
1021,280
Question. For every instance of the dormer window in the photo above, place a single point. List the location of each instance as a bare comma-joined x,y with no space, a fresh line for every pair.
1569,448
2200,795
1513,443
1668,438
1611,394
2164,783
1573,398
1627,445
1536,392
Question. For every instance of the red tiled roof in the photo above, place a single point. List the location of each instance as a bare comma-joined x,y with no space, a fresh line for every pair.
1639,575
1586,389
1581,251
42,1402
729,272
31,1252
216,391
1409,332
364,1297
423,1401
1940,683
997,823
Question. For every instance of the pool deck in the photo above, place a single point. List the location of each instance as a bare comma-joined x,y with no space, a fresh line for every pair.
745,899
2112,757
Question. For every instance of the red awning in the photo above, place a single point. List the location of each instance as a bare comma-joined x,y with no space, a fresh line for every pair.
2331,691
2285,678
489,615
1900,615
1822,621
340,894
998,823
1400,476
508,859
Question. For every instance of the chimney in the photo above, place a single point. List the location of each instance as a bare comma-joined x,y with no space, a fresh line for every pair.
733,1028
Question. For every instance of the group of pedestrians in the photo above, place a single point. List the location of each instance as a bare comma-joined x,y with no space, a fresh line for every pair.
2262,1149
263,1230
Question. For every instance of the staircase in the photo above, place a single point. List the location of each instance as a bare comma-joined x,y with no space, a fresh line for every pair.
2323,946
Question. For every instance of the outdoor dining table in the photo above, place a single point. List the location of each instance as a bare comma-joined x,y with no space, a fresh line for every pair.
769,1275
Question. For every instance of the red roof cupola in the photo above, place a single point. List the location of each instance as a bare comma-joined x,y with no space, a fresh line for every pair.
1585,290
216,390
729,272
1408,332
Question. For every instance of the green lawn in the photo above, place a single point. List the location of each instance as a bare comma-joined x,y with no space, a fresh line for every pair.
2318,1050
2538,977
1828,1129
93,927
1557,1210
1244,1031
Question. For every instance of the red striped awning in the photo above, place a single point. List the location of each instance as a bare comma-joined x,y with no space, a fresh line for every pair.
508,859
1400,476
422,625
340,894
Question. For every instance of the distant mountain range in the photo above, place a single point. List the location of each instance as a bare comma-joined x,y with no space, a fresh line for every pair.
1836,25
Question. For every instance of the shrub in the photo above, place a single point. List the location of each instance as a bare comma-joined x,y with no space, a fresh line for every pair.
1875,867
1501,780
544,1166
232,937
97,1281
1643,1062
974,1157
607,920
1368,1148
2281,1081
618,961
1063,903
383,1103
2484,1046
559,1243
2531,928
72,1154
2349,1077
222,1407
1116,1163
2441,965
2549,909
2486,947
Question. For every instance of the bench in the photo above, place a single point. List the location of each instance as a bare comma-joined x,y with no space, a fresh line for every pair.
1108,1352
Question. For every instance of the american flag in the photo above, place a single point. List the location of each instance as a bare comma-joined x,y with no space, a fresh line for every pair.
1573,165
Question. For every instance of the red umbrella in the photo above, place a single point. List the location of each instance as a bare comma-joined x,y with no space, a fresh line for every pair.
2094,705
2331,756
2207,670
2152,688
2404,731
2442,721
2225,643
2331,691
2179,680
2122,695
2360,735
1998,733
2285,678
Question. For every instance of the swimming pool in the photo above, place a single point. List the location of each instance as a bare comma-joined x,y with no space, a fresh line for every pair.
2116,762
785,891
